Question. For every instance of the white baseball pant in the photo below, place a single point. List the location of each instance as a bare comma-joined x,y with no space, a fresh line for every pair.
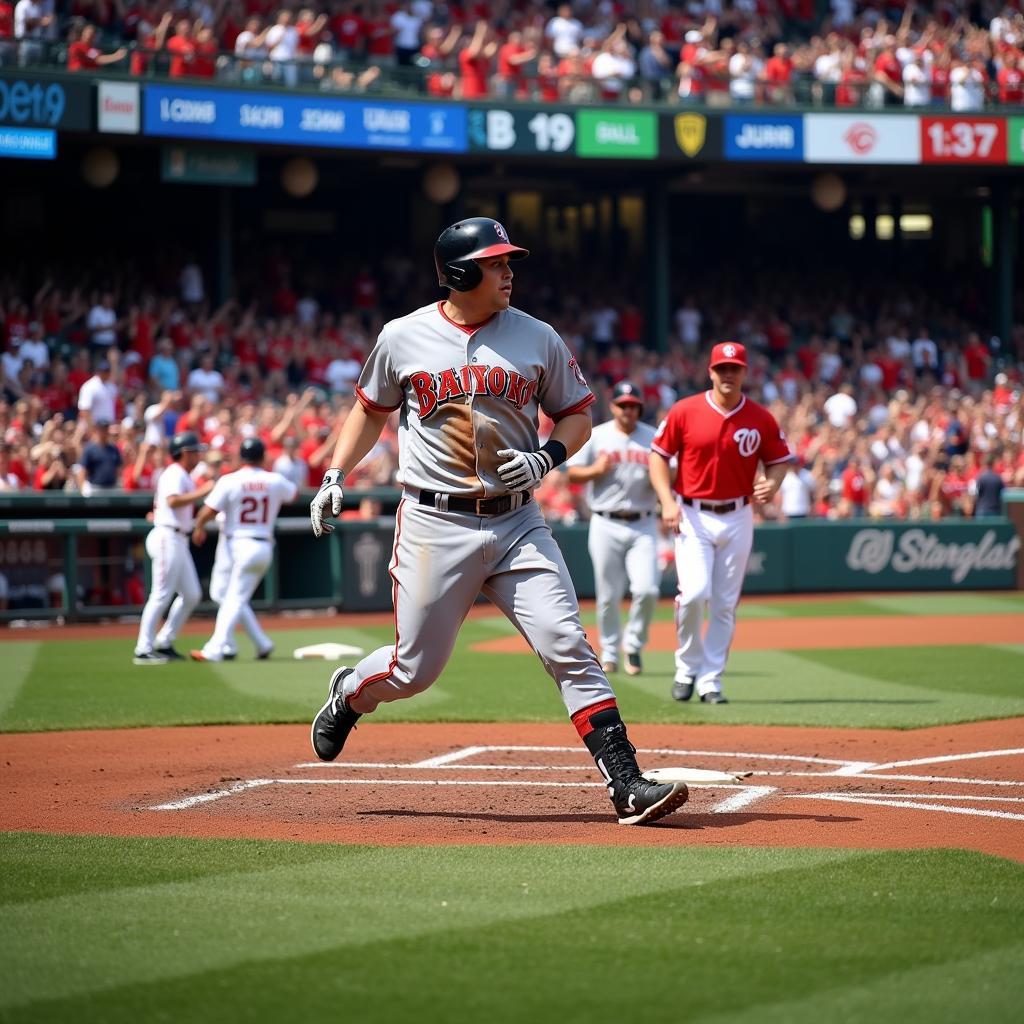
712,550
624,553
249,559
172,572
219,585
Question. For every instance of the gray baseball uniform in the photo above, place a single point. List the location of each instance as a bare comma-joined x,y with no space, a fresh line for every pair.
466,393
623,538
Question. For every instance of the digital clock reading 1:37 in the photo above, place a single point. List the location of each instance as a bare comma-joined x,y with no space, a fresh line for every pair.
953,140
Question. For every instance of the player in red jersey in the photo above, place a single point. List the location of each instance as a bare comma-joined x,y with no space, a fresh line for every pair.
720,437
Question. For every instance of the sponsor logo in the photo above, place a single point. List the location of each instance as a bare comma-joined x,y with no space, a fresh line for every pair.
748,440
861,138
691,133
917,550
766,136
437,389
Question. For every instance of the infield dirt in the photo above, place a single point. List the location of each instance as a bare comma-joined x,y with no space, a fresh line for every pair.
439,783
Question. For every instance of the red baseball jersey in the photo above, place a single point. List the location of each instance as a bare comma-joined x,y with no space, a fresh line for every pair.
719,451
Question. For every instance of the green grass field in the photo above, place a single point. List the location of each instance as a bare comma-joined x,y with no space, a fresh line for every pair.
114,929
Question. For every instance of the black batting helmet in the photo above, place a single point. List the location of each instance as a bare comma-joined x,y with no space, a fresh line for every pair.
186,441
252,450
460,245
626,393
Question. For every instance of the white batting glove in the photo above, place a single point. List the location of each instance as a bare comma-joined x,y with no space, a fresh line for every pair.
330,494
524,469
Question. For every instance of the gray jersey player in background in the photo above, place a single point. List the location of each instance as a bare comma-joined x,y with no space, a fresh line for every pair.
469,375
623,538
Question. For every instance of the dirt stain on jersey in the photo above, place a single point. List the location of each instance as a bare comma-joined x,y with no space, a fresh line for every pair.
456,428
473,440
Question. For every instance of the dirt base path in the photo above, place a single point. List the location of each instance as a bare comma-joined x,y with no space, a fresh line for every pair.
954,786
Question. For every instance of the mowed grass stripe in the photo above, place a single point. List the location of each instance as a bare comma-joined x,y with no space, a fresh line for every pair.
94,685
280,898
660,935
17,659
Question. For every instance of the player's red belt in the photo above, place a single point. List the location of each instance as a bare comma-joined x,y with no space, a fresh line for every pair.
708,506
627,517
475,506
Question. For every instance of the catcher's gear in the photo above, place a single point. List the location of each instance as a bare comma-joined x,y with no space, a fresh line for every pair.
460,245
185,441
252,450
524,470
330,494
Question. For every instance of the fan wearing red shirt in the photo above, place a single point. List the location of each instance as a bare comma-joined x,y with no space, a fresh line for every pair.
84,54
183,48
720,437
976,358
855,488
1011,80
475,62
6,20
778,73
205,63
349,29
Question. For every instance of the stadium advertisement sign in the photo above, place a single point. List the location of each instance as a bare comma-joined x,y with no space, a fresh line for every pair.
29,102
272,118
118,107
690,136
530,131
862,139
764,137
963,140
1016,140
617,134
207,165
906,556
28,143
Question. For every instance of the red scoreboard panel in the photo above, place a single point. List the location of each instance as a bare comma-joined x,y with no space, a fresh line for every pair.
963,140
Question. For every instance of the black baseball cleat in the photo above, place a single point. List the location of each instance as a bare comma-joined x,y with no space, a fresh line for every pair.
168,653
636,800
683,690
714,697
148,658
264,655
633,664
229,655
333,721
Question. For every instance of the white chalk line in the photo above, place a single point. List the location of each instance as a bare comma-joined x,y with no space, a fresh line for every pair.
845,798
741,797
206,798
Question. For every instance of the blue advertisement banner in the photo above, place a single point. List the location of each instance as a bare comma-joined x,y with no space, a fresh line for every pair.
29,143
764,137
185,113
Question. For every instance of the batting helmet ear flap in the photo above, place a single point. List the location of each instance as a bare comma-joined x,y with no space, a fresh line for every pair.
463,275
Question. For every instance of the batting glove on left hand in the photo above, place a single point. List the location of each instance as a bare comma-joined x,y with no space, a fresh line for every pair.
331,494
524,469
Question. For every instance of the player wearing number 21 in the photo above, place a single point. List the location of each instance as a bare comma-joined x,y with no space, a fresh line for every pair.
720,438
248,501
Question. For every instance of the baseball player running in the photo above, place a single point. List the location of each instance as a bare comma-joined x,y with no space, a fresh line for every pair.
173,571
249,500
623,537
469,375
720,436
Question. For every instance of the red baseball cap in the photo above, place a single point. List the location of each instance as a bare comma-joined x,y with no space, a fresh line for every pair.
728,352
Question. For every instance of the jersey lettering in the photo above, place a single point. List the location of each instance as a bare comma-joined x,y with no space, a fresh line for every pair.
433,390
254,510
630,455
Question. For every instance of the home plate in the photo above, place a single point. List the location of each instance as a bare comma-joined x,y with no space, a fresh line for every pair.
694,775
328,652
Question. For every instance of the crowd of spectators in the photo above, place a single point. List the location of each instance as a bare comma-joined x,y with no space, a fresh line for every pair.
954,54
892,404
